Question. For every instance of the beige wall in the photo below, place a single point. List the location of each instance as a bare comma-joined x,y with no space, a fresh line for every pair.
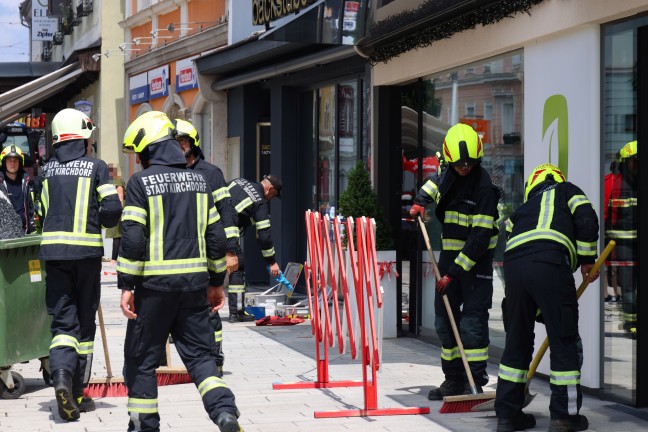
551,17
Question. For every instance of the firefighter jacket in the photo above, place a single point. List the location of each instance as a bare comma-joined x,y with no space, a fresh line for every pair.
251,208
556,221
222,199
172,238
76,200
467,208
622,205
24,205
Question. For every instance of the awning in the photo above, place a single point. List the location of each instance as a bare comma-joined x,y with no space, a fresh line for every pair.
30,94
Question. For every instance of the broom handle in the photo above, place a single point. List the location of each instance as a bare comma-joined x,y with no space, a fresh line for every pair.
102,328
581,289
437,274
168,353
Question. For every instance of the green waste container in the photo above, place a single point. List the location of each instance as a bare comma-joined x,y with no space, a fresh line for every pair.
24,323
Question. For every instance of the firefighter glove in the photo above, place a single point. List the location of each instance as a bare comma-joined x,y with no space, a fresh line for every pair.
444,283
417,210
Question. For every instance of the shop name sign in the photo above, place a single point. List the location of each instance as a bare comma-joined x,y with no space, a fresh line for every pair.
265,11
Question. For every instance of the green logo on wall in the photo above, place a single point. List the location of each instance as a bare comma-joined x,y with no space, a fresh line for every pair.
555,130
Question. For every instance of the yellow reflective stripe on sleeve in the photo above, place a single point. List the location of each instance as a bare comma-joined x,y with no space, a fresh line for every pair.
86,348
221,193
106,190
247,202
44,198
450,353
477,354
218,336
129,267
543,234
64,340
452,244
156,230
483,221
232,232
267,253
81,205
586,248
575,201
174,266
142,406
236,288
201,222
623,202
511,374
210,383
135,214
76,239
564,377
262,224
509,226
621,234
493,242
214,216
217,266
431,189
464,262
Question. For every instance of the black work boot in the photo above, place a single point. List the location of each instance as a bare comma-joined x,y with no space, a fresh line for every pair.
227,422
67,407
517,423
447,388
85,404
245,317
573,423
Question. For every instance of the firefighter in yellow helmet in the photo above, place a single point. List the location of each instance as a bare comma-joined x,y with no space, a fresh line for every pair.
171,266
623,229
189,140
77,199
466,204
551,235
15,183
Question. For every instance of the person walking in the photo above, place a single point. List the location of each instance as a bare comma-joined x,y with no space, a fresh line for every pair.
171,266
466,205
551,234
189,140
77,199
15,183
251,204
115,232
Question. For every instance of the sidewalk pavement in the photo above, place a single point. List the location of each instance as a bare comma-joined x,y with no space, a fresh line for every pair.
257,357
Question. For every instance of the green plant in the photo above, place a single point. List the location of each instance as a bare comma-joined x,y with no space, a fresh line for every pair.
359,199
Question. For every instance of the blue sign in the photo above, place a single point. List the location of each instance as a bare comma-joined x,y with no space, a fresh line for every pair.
138,89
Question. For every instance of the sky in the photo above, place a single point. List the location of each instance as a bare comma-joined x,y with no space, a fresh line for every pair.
14,38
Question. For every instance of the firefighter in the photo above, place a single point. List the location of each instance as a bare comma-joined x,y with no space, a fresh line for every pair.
189,140
251,205
76,201
466,204
622,228
553,233
171,266
15,183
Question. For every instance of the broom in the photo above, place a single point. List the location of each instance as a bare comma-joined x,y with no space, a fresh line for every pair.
528,397
112,386
461,403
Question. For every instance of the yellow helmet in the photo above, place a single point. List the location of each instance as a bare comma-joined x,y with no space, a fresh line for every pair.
149,128
70,124
628,150
541,174
462,146
13,151
184,128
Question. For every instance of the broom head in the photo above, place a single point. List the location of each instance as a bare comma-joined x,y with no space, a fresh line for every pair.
115,386
464,403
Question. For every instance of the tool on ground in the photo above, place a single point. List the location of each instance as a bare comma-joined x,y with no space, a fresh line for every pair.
528,397
460,403
112,386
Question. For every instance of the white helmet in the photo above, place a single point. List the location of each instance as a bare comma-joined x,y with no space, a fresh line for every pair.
70,124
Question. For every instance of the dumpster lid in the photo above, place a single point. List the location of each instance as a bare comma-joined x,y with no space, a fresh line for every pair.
28,240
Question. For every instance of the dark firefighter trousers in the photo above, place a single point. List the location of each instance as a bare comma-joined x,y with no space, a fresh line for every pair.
626,250
72,296
236,287
216,325
184,315
545,283
470,298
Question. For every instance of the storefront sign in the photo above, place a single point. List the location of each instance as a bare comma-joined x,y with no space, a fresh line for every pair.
158,80
186,78
138,89
265,11
43,27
